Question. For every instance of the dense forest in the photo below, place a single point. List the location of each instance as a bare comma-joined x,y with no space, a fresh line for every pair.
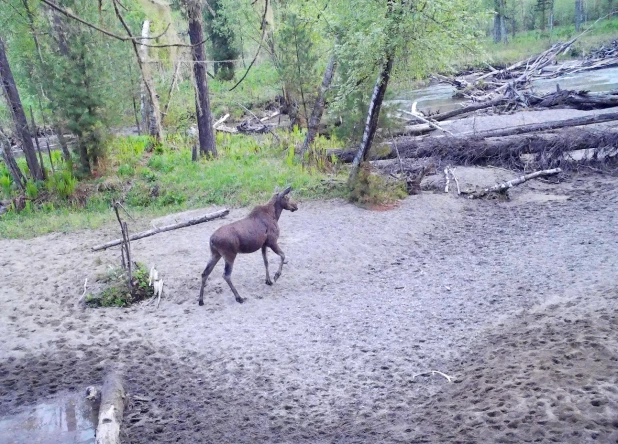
79,73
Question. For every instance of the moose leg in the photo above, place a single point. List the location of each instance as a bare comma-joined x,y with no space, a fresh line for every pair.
264,255
278,251
214,258
229,265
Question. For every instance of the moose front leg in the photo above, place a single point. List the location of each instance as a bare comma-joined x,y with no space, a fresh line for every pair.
278,251
265,256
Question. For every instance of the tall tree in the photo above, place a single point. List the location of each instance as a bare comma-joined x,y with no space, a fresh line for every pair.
204,116
19,117
500,31
579,14
318,107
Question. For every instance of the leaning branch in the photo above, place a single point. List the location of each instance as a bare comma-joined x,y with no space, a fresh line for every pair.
114,35
257,52
143,234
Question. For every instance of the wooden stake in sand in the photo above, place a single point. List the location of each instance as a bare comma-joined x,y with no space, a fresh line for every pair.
188,223
111,410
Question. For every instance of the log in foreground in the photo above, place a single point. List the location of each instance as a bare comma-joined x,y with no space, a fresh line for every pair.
143,234
111,410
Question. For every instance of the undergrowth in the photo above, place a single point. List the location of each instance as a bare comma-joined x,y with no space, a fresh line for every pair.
116,291
159,180
370,190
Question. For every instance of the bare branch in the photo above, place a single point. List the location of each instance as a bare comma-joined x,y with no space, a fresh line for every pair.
116,36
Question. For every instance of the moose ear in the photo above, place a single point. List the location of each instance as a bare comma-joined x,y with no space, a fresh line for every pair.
286,191
277,189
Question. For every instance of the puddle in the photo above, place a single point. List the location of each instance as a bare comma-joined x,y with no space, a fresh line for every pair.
68,418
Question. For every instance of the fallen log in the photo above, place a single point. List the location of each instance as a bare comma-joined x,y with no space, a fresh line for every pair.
470,108
550,148
546,126
111,410
503,187
143,234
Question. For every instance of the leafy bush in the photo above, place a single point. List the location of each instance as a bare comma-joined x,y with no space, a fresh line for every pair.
370,189
32,190
5,184
62,183
117,293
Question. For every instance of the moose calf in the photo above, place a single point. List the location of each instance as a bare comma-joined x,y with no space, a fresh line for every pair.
260,229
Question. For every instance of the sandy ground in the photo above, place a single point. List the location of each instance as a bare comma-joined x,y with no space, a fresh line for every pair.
515,300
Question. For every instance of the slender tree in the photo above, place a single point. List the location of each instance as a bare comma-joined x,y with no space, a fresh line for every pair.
318,107
19,117
204,116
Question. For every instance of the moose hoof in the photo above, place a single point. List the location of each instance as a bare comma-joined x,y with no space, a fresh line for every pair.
200,303
240,300
277,276
269,282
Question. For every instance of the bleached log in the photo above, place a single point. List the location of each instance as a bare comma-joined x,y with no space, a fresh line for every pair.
111,410
143,234
502,187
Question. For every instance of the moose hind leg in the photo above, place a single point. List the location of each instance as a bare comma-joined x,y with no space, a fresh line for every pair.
227,275
265,256
214,258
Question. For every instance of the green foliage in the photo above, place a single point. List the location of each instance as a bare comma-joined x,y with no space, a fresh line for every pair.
5,184
62,183
32,191
296,62
116,292
245,173
370,189
222,39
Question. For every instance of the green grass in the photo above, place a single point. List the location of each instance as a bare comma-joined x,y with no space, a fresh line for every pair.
166,180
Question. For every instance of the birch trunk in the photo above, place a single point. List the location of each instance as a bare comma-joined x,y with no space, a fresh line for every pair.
150,124
318,107
372,116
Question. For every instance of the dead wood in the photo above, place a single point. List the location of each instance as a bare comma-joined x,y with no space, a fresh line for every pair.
111,410
549,150
143,234
546,126
505,186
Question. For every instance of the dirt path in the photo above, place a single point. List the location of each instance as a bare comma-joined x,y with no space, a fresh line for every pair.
516,300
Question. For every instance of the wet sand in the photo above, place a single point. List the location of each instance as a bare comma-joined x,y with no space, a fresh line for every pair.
515,300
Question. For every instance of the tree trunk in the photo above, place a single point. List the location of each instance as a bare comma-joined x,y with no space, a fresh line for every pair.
579,14
19,117
372,115
318,107
150,124
204,116
504,36
11,164
497,22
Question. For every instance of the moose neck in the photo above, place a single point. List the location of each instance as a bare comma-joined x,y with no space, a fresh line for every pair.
278,209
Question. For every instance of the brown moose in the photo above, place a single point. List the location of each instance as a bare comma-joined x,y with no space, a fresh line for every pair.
260,229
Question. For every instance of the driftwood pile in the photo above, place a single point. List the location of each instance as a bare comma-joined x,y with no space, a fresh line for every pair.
508,82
